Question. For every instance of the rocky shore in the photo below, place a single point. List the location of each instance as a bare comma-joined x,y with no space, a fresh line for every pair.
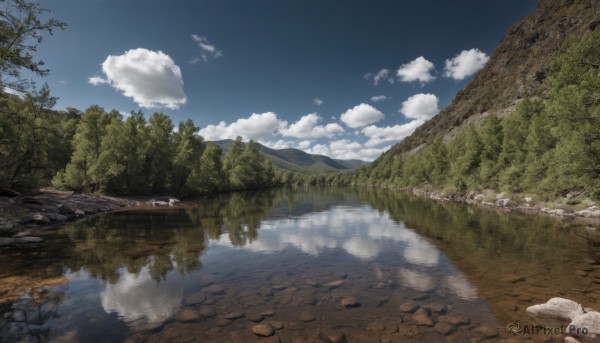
21,217
567,207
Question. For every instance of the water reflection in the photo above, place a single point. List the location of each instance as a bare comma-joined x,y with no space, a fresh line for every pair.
137,296
278,249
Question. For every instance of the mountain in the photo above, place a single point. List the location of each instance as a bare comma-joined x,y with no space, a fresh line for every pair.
527,123
298,160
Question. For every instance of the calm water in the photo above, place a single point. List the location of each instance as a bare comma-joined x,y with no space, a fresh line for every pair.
288,257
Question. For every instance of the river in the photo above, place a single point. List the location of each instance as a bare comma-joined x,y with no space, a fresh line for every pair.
312,264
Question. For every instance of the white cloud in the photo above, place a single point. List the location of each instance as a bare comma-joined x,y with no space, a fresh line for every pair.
378,135
361,115
317,102
347,149
378,98
207,49
465,64
150,78
306,127
417,70
383,74
97,80
420,106
254,127
280,144
304,144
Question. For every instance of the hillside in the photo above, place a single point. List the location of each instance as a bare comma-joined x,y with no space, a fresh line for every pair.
528,123
298,160
517,67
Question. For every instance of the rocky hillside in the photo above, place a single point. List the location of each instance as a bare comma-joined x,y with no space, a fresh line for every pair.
528,123
517,67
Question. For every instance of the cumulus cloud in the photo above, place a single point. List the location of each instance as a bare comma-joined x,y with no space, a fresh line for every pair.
465,64
280,144
383,74
254,127
420,106
378,135
347,150
150,78
361,115
207,49
417,70
378,98
317,102
306,127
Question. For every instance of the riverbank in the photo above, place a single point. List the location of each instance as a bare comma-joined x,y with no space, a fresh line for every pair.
566,207
22,216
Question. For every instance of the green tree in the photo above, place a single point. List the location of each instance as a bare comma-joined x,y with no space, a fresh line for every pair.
160,153
21,30
188,149
208,176
86,150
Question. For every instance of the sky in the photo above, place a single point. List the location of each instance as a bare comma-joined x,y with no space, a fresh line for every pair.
342,78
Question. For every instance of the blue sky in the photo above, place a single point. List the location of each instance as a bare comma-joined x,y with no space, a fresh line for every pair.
342,78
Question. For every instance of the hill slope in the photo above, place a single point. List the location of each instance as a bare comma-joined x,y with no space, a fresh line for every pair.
517,67
529,121
298,160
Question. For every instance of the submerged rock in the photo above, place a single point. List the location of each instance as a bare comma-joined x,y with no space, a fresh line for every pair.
409,307
557,307
333,336
335,283
350,302
307,317
263,330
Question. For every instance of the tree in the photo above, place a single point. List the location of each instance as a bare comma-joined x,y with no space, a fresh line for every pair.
27,126
160,153
20,32
188,149
208,176
86,150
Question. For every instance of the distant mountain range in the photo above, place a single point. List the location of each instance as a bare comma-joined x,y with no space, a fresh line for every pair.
298,160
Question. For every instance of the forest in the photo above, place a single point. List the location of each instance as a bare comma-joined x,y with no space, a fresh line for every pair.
97,150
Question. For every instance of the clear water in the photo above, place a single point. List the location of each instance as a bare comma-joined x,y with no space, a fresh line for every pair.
135,275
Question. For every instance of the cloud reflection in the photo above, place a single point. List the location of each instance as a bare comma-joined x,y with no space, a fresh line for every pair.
139,296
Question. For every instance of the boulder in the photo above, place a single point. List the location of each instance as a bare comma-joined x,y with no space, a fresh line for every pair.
585,325
504,202
557,307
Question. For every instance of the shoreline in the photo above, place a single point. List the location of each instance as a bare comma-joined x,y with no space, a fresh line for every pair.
23,217
589,214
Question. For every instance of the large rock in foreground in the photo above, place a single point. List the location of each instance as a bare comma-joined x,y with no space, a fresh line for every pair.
557,307
585,325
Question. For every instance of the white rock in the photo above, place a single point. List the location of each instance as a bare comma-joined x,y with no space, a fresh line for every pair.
585,325
557,307
590,212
